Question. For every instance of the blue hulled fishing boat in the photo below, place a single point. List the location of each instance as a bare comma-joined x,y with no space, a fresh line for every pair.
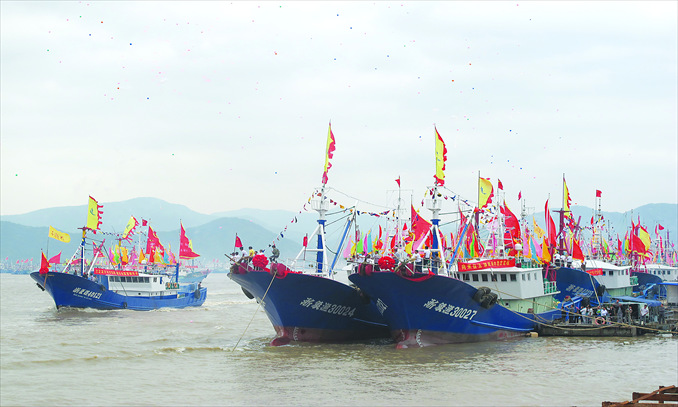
106,283
301,298
479,300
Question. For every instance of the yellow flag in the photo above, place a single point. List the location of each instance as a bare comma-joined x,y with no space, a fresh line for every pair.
485,192
539,232
545,254
441,157
566,197
93,214
142,258
60,236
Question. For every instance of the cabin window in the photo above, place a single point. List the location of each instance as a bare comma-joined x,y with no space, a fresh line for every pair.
494,277
155,279
528,277
475,277
513,277
503,277
484,276
535,276
604,272
523,275
465,276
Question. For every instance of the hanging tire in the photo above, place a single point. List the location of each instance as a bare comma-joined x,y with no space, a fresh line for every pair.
489,300
196,294
124,305
247,293
102,287
600,290
480,293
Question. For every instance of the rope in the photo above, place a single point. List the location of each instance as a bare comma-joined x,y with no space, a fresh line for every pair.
591,317
255,313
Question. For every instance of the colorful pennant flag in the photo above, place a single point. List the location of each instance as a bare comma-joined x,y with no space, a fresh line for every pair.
441,157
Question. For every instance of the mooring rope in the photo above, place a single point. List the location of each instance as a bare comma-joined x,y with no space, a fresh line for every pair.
255,312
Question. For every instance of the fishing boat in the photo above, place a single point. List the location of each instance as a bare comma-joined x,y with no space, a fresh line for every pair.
302,298
102,285
478,300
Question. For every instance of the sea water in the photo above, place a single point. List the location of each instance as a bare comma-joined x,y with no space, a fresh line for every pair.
218,354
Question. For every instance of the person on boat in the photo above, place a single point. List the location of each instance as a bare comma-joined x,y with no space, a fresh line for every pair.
569,260
251,252
275,253
629,314
620,311
556,259
427,256
603,313
417,262
644,312
400,255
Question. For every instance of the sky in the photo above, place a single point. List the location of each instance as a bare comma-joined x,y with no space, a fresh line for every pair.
226,105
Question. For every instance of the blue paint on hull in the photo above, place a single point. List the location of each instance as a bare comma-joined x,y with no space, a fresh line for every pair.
440,309
575,282
304,307
70,290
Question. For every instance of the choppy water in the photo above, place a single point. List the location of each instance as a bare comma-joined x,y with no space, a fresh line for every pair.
187,357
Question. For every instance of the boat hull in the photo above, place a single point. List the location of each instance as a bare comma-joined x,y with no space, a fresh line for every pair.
308,308
69,290
575,282
645,280
431,309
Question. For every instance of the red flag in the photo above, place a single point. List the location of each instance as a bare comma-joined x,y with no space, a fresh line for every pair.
44,265
576,251
511,222
519,195
598,193
56,259
185,250
419,225
305,242
550,226
238,243
398,181
153,244
660,226
144,222
499,185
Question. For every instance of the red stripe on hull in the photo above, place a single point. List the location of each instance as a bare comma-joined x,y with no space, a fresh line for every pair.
418,338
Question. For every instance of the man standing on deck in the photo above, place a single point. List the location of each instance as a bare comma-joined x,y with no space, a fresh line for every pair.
643,314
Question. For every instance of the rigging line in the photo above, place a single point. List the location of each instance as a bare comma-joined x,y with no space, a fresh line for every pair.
359,200
255,312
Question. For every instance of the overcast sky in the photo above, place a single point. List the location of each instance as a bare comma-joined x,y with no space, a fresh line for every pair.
226,105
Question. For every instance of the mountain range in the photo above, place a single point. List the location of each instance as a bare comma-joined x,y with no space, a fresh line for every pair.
24,236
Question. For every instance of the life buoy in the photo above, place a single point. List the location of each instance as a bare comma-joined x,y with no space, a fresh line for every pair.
599,321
